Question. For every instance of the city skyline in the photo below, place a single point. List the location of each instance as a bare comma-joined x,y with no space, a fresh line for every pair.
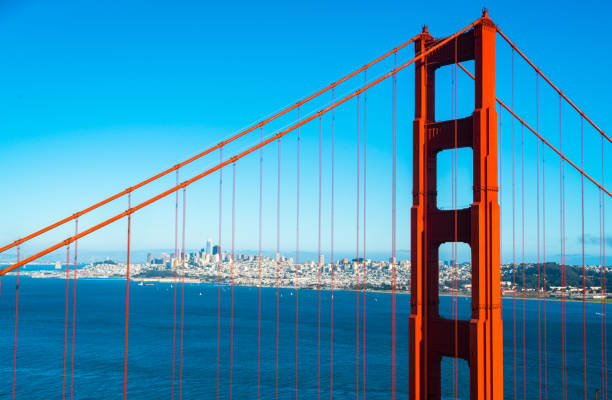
66,141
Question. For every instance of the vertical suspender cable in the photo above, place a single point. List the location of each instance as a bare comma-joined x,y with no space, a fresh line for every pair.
127,301
297,256
603,283
584,352
277,268
174,262
356,263
455,214
66,319
393,228
605,313
74,282
500,179
538,238
231,372
365,152
563,278
602,272
16,321
259,262
182,296
544,284
331,300
513,244
319,264
219,266
523,255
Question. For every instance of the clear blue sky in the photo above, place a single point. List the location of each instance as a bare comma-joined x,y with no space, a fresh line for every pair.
98,96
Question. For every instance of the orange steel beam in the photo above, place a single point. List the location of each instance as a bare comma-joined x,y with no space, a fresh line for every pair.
232,159
544,140
479,339
202,154
553,85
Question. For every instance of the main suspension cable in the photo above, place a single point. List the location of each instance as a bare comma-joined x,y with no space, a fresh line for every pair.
552,84
238,156
218,146
546,142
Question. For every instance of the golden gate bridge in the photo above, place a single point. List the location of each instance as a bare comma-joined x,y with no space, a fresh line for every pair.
558,178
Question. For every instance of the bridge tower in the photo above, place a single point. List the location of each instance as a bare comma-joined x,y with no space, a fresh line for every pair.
479,340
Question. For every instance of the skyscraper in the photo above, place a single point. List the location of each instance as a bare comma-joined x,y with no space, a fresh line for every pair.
208,246
215,249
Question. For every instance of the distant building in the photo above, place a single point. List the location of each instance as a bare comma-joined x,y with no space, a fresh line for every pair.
215,250
209,246
149,258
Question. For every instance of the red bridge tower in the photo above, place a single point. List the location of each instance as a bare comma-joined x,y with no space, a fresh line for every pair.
479,340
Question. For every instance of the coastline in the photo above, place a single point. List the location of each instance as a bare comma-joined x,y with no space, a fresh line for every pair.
189,280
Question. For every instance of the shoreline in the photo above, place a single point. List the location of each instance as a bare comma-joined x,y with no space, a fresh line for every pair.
343,289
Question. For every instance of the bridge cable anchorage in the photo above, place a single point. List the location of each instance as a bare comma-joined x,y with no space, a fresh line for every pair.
546,142
205,152
16,322
393,230
514,47
174,262
278,200
331,300
219,267
182,295
365,152
238,156
231,372
259,266
127,301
